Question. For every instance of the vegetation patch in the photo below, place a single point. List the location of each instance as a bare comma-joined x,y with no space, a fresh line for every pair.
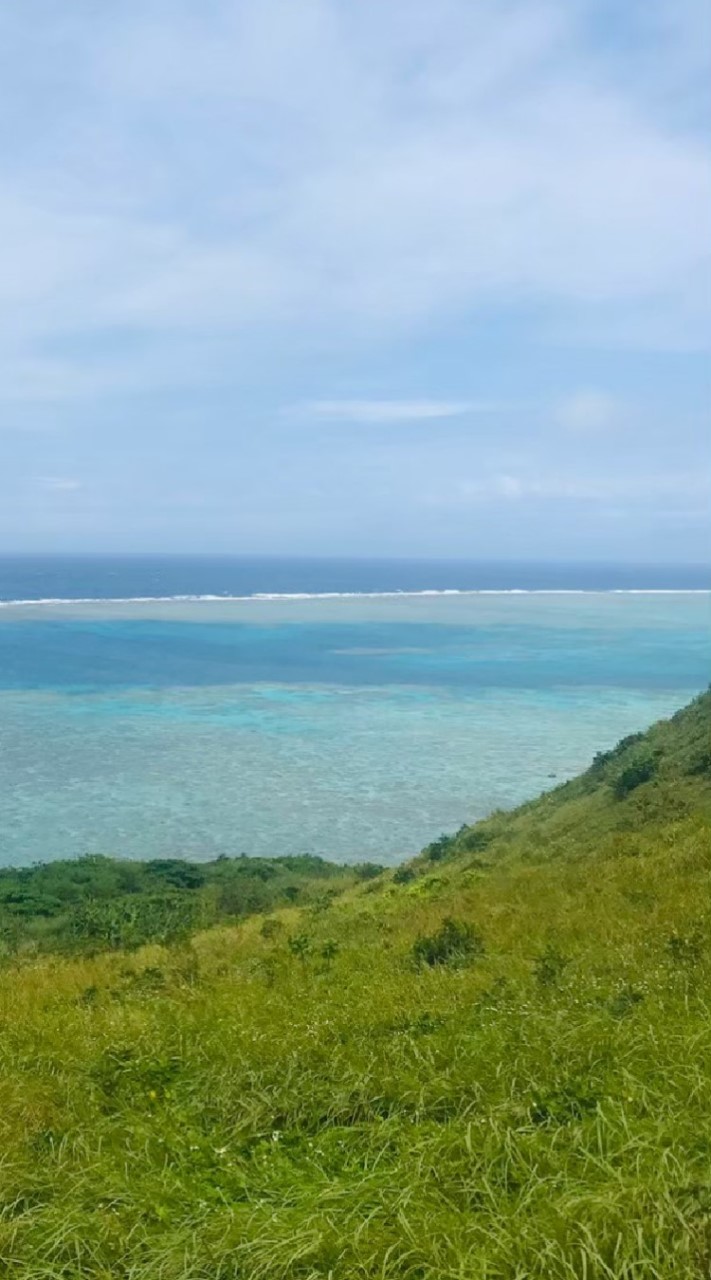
455,943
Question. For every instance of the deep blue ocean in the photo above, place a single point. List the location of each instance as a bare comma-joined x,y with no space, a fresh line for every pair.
158,706
77,577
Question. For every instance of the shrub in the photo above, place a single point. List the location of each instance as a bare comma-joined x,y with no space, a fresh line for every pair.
639,771
454,943
323,901
368,870
624,1002
271,928
686,948
701,764
374,886
564,1106
20,902
329,951
604,757
299,945
477,840
550,966
235,899
131,922
403,875
439,848
176,873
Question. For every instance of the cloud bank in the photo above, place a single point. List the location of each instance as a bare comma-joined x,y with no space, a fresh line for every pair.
380,213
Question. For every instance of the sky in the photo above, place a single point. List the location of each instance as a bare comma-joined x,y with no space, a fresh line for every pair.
385,277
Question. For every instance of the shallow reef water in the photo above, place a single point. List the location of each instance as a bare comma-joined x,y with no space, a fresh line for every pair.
354,727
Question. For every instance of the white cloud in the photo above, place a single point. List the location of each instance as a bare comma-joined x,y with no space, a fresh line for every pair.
58,484
589,411
377,411
591,488
262,169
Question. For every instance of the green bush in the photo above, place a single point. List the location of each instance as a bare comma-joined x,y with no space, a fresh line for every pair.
439,848
299,945
403,875
455,943
603,758
368,870
701,763
550,966
271,929
127,923
477,840
640,770
176,873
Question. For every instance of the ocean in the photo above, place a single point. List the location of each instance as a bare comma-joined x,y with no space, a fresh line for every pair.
175,706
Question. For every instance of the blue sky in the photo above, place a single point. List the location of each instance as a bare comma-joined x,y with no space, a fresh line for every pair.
388,277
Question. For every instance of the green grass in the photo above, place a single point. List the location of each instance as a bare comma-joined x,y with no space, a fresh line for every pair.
358,1088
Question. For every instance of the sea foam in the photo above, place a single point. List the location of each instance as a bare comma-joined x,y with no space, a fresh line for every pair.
266,596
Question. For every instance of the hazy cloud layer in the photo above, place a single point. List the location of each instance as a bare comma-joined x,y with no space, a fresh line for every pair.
486,220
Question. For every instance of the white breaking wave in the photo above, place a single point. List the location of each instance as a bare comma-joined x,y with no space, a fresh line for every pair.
268,596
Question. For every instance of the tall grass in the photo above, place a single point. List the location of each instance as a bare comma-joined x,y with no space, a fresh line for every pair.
312,1099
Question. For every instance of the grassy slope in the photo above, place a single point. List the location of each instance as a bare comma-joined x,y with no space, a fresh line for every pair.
296,1098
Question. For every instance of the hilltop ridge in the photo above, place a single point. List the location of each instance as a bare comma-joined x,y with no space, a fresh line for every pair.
660,774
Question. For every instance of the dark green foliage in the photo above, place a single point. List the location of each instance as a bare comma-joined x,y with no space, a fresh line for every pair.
368,870
565,1105
120,1073
439,848
299,945
476,839
604,758
687,947
324,901
271,929
550,966
100,902
176,873
700,764
329,950
640,770
455,943
624,1002
23,902
403,875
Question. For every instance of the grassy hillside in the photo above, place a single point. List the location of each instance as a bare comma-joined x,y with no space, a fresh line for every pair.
491,1064
661,775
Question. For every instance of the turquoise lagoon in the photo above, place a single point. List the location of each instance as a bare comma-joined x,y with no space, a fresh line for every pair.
354,726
